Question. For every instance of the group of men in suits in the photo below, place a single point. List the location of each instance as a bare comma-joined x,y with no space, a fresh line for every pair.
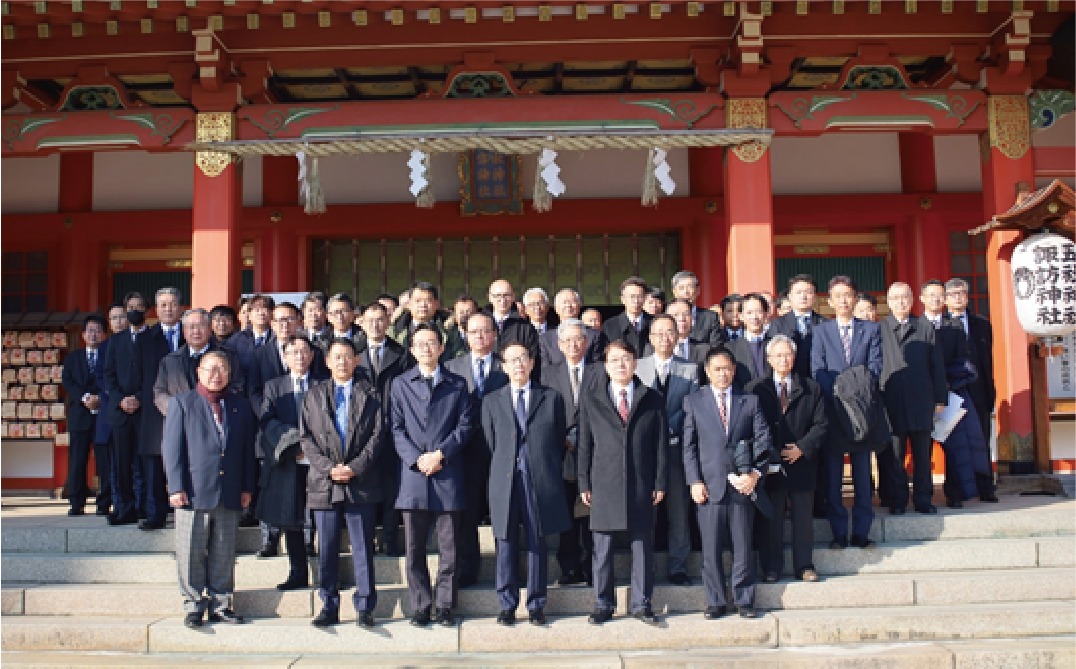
445,418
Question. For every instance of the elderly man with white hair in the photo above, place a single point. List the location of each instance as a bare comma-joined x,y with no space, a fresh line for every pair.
569,304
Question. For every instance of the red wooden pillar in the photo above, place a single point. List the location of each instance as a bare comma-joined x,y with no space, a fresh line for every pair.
277,263
705,251
749,203
216,243
923,241
1009,166
78,266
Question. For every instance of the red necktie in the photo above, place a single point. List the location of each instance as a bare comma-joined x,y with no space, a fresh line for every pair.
784,397
622,407
722,410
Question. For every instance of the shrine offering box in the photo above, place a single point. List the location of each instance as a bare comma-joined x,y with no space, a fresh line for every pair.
26,339
18,356
48,430
26,375
15,430
42,374
59,340
57,411
10,376
14,393
35,357
11,339
41,412
33,431
52,356
32,392
50,392
3,429
5,357
57,374
63,439
9,410
42,339
25,411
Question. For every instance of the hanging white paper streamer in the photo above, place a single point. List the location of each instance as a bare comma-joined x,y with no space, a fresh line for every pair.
417,163
663,172
310,193
551,172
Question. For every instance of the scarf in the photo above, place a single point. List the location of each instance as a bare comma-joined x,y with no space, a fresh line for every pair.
214,398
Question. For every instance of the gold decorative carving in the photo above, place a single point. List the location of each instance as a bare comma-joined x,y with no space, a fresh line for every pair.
747,113
1009,123
819,250
214,127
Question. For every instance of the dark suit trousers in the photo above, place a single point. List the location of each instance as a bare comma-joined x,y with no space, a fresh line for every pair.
891,468
821,490
730,521
78,455
476,479
360,529
127,467
642,570
985,481
862,511
390,515
102,457
576,545
157,505
523,510
416,531
772,544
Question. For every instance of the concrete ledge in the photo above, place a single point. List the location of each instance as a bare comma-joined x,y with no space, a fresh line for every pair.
40,633
12,601
570,634
33,540
876,656
159,600
525,661
1011,585
1006,653
925,623
1056,552
290,636
157,660
981,521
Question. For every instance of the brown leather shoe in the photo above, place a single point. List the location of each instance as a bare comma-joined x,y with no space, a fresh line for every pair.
809,575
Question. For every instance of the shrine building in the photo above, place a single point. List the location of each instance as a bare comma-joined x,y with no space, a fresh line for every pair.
152,143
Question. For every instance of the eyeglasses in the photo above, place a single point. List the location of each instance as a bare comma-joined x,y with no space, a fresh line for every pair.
626,360
475,333
519,360
425,344
285,320
501,296
214,370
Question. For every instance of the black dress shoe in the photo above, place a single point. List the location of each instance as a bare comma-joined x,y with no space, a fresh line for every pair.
129,519
749,612
293,584
76,511
570,578
600,616
838,543
365,619
421,618
860,542
506,618
993,499
955,504
248,521
444,617
897,511
149,525
770,577
928,510
326,618
192,620
266,552
393,551
311,550
103,511
537,617
646,616
467,582
715,612
680,579
226,616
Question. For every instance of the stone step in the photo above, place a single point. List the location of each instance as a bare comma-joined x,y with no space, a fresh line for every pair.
865,590
783,629
1039,652
1009,519
953,555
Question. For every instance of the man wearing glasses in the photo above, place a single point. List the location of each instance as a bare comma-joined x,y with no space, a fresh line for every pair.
482,371
511,326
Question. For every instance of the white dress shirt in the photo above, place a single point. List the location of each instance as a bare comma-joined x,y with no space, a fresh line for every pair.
615,390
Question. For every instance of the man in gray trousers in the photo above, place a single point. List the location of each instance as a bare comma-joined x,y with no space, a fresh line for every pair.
208,457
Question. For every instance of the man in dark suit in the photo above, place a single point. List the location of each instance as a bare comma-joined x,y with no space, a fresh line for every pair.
799,324
482,371
705,325
433,416
224,323
914,389
573,378
796,413
83,410
423,307
524,425
208,454
381,362
687,347
117,324
839,344
633,324
730,316
983,392
123,382
726,455
342,438
623,444
510,324
246,341
315,319
341,312
568,305
177,371
675,378
749,349
282,498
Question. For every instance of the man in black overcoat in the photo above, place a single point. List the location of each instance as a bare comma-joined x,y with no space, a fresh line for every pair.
83,413
623,437
523,424
633,324
796,413
914,390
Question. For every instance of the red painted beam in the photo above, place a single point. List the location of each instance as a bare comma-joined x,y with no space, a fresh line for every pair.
1055,161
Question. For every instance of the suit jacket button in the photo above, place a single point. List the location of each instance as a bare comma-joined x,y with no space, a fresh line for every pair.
222,472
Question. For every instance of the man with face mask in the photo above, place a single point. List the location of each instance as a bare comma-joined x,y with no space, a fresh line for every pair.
123,382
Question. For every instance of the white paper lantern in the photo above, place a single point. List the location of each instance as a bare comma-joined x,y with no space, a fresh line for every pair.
1044,284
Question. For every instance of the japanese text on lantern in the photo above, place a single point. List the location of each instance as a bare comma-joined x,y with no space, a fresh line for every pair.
1055,283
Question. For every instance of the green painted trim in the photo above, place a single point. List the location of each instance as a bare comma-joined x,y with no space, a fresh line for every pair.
452,90
908,119
682,111
159,124
468,128
802,109
1048,106
16,130
276,120
955,106
88,140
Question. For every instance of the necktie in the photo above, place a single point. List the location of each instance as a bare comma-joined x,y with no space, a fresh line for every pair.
722,410
341,415
171,338
218,415
639,325
784,396
91,359
937,323
734,335
300,394
259,340
521,411
429,384
481,381
805,324
846,342
377,358
622,407
683,350
574,377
